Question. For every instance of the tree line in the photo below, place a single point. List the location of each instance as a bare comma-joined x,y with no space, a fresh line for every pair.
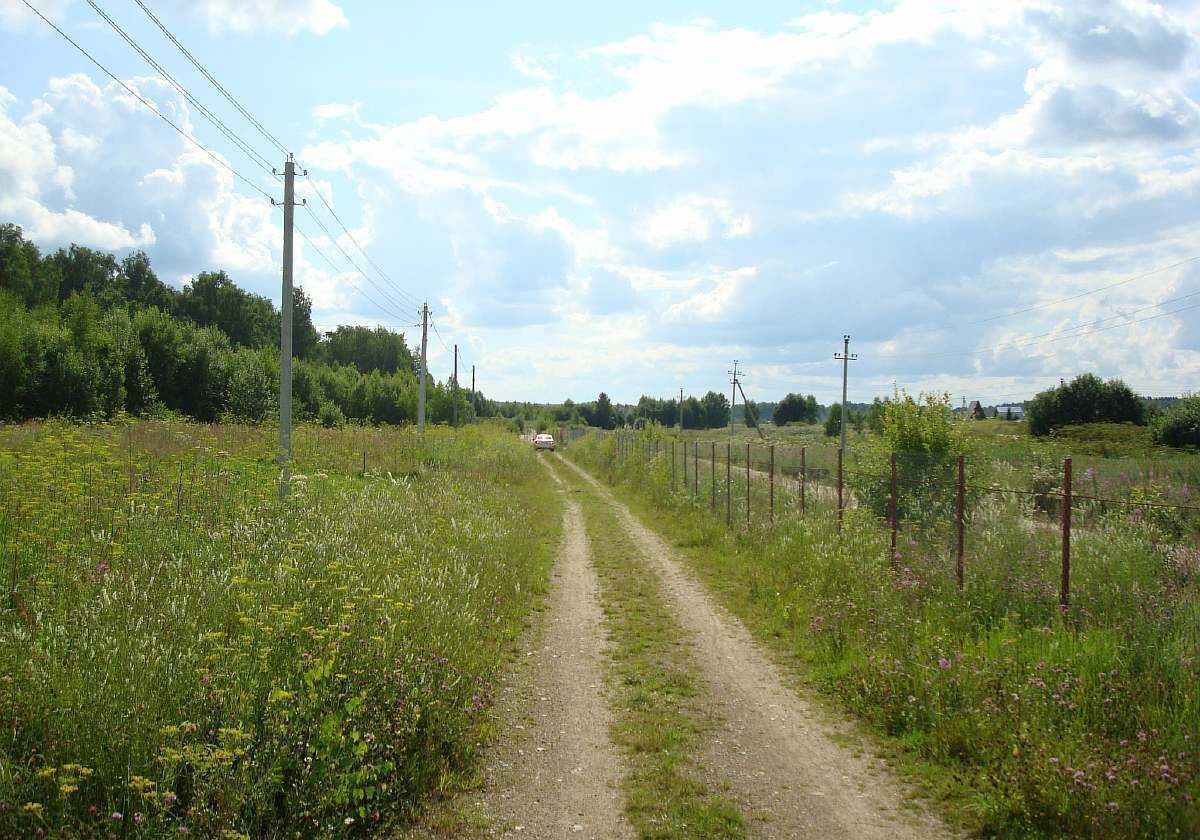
84,334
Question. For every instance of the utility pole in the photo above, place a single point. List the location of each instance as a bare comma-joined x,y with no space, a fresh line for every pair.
424,364
454,393
847,357
681,409
733,393
285,328
473,406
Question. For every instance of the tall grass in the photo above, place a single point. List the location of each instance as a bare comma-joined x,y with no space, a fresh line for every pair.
181,652
1042,725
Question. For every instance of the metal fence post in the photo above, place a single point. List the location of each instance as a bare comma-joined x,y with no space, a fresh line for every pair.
772,482
1064,597
672,465
892,519
728,489
839,490
803,477
747,485
962,519
696,469
713,462
685,481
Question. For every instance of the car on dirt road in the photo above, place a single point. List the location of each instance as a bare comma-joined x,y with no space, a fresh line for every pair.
543,441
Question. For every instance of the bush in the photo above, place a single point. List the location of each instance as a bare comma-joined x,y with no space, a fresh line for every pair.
1085,399
1180,424
331,416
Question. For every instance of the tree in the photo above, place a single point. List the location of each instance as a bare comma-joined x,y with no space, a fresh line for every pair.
1179,425
716,410
833,423
693,413
604,412
749,413
306,341
1085,399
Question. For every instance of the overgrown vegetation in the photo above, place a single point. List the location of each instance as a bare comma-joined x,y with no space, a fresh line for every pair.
181,652
1085,399
1032,722
84,335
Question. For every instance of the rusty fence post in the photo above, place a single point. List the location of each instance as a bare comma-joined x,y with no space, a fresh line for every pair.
803,477
672,465
696,469
747,485
713,462
772,468
685,466
839,490
1064,595
728,488
962,520
893,521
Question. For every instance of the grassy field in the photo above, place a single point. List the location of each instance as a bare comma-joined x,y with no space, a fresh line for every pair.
181,652
1028,725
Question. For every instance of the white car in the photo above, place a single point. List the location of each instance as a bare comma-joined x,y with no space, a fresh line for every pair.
543,441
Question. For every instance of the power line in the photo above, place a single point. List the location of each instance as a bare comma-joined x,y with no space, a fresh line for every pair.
439,335
411,299
132,92
220,88
245,147
384,309
1142,276
391,300
1070,332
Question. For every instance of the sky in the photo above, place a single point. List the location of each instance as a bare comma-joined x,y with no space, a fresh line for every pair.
986,196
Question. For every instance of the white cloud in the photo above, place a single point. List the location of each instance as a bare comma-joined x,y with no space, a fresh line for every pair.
691,218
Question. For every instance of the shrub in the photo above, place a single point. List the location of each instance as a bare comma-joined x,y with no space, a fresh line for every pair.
1085,399
1180,424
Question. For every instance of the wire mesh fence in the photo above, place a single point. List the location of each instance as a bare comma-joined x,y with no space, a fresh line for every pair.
945,515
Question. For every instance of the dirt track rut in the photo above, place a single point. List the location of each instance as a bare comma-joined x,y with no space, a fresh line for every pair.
779,759
563,780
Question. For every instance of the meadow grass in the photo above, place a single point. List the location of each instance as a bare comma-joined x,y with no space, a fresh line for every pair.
1030,722
183,653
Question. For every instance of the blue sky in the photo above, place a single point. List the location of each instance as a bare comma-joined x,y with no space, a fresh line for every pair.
628,196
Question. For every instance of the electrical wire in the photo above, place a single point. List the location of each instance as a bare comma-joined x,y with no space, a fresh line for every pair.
220,88
132,92
232,136
1142,276
387,311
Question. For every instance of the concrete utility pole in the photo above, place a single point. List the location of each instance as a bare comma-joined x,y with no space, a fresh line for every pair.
454,393
476,408
285,328
733,393
847,357
681,409
424,364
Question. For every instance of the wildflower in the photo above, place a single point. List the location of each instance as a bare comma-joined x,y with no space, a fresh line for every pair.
1112,806
117,816
139,818
944,664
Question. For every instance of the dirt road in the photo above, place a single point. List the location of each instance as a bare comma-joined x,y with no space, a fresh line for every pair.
781,761
564,779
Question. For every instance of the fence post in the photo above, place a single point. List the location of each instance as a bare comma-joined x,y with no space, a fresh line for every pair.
1064,596
364,472
728,488
747,485
772,482
672,465
713,462
685,481
696,469
892,519
803,477
962,519
839,490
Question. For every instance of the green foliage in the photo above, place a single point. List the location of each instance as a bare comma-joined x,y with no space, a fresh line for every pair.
1031,723
180,648
795,408
82,335
1085,399
1179,425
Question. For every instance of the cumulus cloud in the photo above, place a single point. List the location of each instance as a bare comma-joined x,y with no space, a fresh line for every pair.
691,218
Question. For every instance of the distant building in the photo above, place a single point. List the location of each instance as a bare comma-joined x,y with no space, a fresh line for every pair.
1011,411
977,412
